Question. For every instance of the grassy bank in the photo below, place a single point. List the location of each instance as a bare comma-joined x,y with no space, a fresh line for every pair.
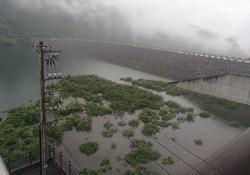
174,90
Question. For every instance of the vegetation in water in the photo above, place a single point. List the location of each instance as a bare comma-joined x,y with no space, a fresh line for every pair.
108,130
105,165
87,171
190,116
121,97
128,132
150,129
198,142
167,114
122,123
137,143
94,109
204,115
174,90
133,123
85,124
141,154
140,170
70,109
89,148
147,116
167,161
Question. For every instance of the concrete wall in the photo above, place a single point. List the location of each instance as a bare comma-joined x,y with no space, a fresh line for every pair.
232,87
231,159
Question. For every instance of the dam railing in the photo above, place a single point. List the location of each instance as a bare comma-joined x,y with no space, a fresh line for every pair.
31,160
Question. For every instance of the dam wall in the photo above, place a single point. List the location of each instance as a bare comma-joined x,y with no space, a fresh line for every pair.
232,87
232,159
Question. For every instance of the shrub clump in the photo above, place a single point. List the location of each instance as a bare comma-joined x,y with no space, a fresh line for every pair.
148,115
141,154
87,171
167,161
190,116
150,129
105,165
172,104
108,132
133,123
85,124
140,143
198,142
140,170
204,115
94,109
89,148
122,123
128,132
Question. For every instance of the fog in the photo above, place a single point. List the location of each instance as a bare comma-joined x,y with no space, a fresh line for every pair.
216,26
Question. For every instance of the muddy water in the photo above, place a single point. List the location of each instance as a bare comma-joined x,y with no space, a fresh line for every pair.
19,84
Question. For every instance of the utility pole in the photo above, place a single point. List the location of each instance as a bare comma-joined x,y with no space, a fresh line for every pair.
52,55
43,161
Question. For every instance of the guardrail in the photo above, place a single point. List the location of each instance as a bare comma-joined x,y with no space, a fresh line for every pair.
31,160
64,164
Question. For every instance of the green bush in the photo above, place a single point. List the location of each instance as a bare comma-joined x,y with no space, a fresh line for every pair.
93,109
204,115
108,132
128,79
55,133
87,171
121,97
142,154
105,165
85,124
172,104
70,109
140,143
140,170
167,161
133,123
89,148
174,125
148,115
150,129
23,116
190,116
122,123
128,132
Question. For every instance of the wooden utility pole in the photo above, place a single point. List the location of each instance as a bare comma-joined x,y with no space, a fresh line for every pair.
51,55
43,160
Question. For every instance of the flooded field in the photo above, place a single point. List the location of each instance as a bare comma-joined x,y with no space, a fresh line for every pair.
214,132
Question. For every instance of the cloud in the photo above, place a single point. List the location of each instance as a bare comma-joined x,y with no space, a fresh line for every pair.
212,20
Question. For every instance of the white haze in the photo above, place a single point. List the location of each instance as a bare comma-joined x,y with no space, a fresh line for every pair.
221,26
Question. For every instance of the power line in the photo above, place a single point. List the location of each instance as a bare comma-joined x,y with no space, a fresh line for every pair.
172,152
178,144
177,156
66,148
183,147
134,143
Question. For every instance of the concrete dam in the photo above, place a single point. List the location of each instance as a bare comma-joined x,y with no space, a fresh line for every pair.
233,87
216,75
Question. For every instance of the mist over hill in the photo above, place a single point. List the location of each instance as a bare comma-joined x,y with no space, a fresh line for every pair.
110,21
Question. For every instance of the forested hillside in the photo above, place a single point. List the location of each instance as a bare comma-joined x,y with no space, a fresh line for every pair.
17,23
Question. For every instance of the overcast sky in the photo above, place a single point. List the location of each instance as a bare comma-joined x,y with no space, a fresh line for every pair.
223,24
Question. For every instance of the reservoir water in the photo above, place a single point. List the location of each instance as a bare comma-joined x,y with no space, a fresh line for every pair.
19,85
